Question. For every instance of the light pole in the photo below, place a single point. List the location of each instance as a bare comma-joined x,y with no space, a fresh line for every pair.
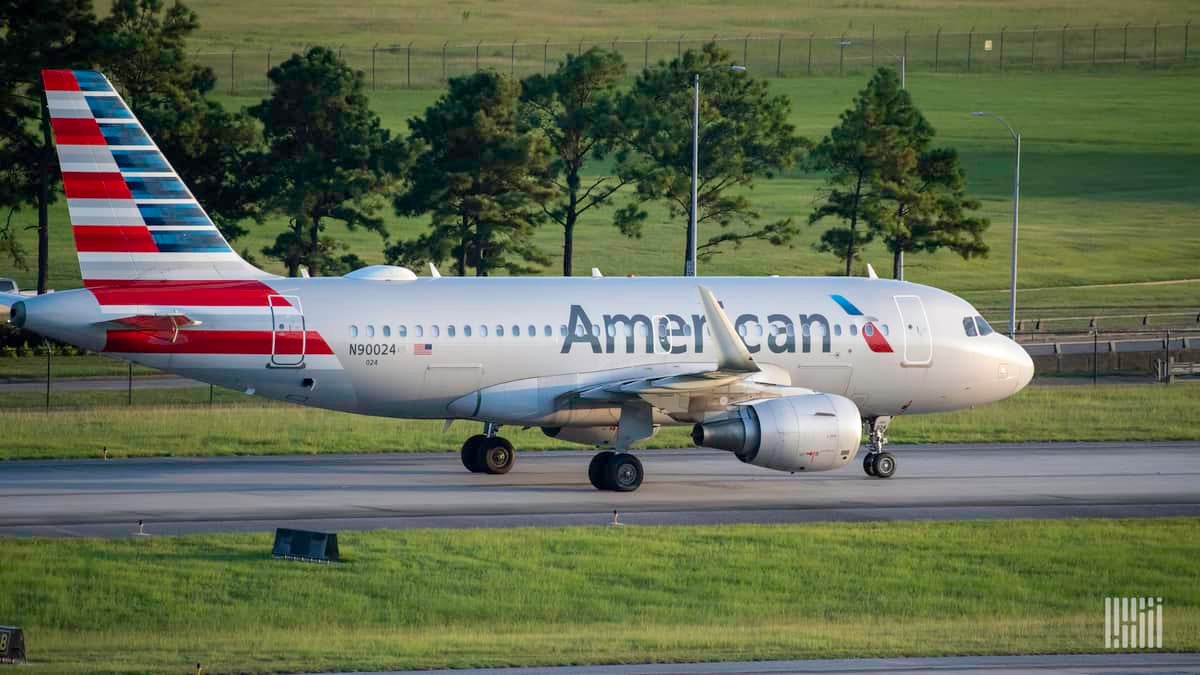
1012,282
689,261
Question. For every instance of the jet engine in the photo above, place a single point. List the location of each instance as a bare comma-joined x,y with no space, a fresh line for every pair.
594,436
813,432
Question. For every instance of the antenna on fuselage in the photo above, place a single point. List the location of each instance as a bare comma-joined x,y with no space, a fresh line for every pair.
433,271
596,273
304,272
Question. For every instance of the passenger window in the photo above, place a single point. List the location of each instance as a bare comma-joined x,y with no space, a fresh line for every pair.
758,331
434,331
532,331
806,330
418,330
742,330
402,331
884,328
611,329
549,332
595,330
499,330
853,329
370,330
353,331
516,330
984,327
450,330
562,329
387,331
482,330
467,330
837,330
578,330
969,326
868,330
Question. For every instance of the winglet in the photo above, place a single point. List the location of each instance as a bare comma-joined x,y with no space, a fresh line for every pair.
433,271
596,272
732,354
871,272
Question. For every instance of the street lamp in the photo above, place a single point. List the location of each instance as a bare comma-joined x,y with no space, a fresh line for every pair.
1012,290
689,261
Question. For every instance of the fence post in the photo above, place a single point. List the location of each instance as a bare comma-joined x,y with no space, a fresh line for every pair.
905,52
269,60
373,48
546,57
970,43
444,78
1154,54
1094,29
646,53
779,57
1002,48
1033,49
46,343
810,43
579,52
232,72
1125,46
1062,47
477,45
841,54
679,46
872,46
512,59
129,391
1186,29
408,64
937,49
746,51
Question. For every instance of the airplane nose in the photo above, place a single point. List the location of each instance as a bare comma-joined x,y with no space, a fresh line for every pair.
1021,365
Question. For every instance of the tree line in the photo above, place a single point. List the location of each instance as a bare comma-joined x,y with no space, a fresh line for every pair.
490,161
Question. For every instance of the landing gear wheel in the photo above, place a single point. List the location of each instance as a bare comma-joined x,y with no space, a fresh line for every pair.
623,472
496,455
596,469
869,463
884,465
471,457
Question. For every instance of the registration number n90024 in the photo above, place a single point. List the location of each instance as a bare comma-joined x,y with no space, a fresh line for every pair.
372,349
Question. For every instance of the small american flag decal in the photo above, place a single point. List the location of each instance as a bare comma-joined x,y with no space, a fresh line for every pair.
423,349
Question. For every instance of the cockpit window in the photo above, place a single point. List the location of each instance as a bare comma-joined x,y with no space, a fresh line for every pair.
984,328
969,326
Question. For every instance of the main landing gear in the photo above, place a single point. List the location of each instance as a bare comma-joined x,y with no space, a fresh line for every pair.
876,462
488,453
616,471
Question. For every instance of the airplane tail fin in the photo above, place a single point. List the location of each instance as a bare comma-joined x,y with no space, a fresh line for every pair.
133,218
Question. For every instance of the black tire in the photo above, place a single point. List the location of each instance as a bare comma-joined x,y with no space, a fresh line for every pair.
470,455
869,464
623,472
596,469
496,456
885,465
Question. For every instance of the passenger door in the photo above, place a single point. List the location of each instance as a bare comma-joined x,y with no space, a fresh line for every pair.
914,323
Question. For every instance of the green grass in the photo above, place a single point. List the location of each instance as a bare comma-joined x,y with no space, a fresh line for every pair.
362,23
83,365
239,425
531,596
1108,191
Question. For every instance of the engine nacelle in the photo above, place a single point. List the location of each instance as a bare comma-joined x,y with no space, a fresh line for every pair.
603,437
814,432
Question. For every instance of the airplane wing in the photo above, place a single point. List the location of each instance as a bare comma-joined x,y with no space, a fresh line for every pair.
733,378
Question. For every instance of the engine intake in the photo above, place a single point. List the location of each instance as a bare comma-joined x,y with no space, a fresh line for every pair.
814,432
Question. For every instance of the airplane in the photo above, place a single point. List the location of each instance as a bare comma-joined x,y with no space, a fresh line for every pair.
786,373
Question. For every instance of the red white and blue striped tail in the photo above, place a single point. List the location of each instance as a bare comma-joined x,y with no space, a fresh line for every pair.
134,220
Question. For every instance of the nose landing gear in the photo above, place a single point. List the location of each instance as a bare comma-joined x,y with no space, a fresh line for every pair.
876,462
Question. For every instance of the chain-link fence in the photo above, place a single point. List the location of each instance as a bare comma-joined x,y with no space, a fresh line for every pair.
416,64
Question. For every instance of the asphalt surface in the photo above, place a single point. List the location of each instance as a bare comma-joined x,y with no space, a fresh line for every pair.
354,492
1066,664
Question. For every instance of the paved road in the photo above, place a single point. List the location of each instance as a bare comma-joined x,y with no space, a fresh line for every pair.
140,382
342,492
1067,664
